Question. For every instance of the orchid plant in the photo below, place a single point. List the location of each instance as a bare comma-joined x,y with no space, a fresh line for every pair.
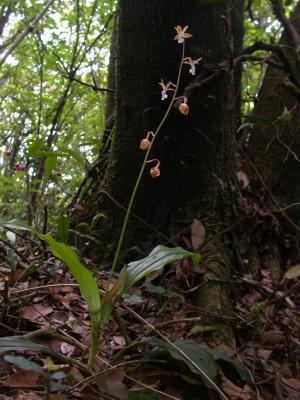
147,143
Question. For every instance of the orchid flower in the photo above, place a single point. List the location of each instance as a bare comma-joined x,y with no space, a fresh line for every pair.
165,88
192,63
181,34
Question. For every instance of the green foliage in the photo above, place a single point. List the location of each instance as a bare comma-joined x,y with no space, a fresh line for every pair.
159,257
209,360
51,125
22,363
19,343
101,309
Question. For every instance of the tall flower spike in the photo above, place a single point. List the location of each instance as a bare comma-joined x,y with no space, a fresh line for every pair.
192,63
165,88
181,34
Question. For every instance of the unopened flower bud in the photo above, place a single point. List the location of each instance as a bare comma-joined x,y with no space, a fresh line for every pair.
184,108
19,167
145,144
154,172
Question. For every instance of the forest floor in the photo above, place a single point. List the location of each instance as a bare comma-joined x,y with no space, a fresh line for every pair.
41,302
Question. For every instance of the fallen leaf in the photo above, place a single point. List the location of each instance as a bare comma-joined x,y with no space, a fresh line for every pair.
36,312
24,379
273,336
112,383
253,297
197,234
234,391
293,272
119,340
292,387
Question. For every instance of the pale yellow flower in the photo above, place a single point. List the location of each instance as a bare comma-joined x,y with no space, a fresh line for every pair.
192,63
181,34
165,88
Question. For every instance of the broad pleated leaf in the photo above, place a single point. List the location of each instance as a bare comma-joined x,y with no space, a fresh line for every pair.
158,258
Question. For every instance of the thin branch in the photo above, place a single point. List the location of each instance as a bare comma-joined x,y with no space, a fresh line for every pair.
94,87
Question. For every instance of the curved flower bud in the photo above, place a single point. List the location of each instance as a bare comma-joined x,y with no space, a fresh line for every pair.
154,172
145,144
184,108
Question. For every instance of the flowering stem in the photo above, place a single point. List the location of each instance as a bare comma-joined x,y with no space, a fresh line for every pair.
139,178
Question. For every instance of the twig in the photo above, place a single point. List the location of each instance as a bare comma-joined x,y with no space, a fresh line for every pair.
15,292
94,87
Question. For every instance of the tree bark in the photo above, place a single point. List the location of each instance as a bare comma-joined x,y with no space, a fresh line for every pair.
273,163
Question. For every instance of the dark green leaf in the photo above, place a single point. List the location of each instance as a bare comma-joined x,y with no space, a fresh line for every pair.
22,363
83,276
50,165
158,258
142,395
63,225
198,354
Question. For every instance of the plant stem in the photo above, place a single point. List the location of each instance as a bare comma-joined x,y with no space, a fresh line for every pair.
139,178
93,348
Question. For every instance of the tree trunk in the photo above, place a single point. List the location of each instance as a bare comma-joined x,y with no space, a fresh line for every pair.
273,163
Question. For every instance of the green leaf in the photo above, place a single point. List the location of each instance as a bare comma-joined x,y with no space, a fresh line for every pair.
224,362
22,363
19,343
293,272
285,117
50,165
87,284
15,224
63,225
74,155
142,395
35,146
199,355
158,258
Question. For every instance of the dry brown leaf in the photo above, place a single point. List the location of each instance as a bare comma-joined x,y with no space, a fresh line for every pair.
38,311
112,383
21,395
197,234
292,383
273,337
253,297
234,391
24,379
